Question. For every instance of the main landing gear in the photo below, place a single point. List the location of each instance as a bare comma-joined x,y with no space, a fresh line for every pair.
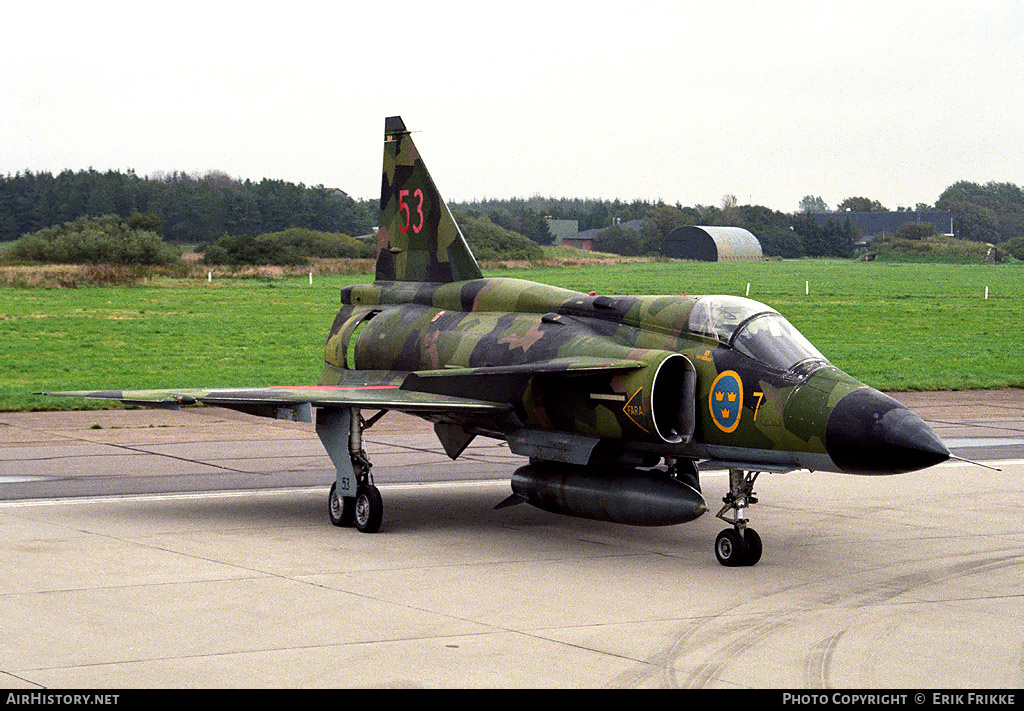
353,499
738,545
365,510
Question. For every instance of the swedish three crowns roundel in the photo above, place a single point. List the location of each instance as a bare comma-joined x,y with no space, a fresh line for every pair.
726,400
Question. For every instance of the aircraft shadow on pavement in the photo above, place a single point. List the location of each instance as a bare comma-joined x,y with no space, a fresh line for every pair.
445,511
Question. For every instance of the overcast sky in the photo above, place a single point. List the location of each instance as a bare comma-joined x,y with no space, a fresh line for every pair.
679,101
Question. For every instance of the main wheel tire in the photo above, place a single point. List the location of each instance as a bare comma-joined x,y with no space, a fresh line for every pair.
730,548
341,509
369,509
753,542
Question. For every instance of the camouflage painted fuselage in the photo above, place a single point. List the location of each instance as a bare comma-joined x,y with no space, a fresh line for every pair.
619,379
772,416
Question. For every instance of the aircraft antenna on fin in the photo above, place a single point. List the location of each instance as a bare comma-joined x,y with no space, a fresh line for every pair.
418,239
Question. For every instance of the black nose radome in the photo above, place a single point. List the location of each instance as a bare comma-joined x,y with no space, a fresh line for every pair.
870,433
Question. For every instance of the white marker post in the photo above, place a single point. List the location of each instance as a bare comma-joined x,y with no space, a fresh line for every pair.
986,293
311,278
807,288
748,288
209,277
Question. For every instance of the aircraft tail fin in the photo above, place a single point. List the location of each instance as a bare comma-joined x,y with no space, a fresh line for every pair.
418,239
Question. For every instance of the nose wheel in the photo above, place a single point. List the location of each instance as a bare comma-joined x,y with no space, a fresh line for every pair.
739,545
734,549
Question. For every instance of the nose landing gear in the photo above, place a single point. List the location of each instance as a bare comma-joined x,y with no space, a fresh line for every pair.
739,545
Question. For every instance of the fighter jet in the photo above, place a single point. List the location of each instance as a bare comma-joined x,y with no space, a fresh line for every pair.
619,402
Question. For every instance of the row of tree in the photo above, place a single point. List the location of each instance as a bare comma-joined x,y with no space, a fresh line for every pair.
528,216
202,209
780,234
191,209
991,212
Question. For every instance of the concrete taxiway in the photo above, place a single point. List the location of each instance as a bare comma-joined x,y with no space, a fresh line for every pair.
192,549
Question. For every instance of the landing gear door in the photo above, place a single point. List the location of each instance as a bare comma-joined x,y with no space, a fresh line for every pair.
333,427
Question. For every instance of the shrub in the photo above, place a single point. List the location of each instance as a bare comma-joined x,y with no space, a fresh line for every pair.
294,245
938,248
628,243
146,221
94,240
490,241
1015,247
916,230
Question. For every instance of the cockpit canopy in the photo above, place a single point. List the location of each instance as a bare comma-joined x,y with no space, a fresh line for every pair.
753,329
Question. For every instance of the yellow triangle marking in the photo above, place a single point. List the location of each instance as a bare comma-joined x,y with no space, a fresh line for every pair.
635,408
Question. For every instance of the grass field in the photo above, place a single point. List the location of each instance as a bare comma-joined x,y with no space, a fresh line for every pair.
896,326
